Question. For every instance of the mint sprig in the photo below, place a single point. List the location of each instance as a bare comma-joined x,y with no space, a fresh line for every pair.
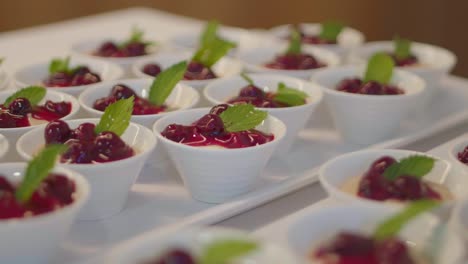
60,65
165,82
209,33
331,30
379,68
289,96
37,170
247,78
210,52
136,36
416,166
225,251
392,226
242,117
295,43
116,117
34,94
402,47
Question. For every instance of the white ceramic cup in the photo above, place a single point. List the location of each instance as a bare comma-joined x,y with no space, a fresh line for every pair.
295,118
457,147
459,219
35,239
367,119
317,226
35,74
182,97
435,63
194,240
12,134
337,171
4,146
215,175
254,59
111,181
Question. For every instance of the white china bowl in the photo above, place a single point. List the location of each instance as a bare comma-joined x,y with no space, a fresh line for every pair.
255,58
35,239
215,175
182,97
367,119
457,147
4,146
347,40
459,219
35,74
337,171
317,226
225,67
111,181
12,134
150,246
435,62
294,118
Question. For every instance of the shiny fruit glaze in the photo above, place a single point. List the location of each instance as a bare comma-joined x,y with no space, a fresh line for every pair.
351,248
209,131
174,256
252,94
111,49
84,145
375,186
195,71
294,62
81,76
17,114
357,86
463,155
55,191
141,105
409,61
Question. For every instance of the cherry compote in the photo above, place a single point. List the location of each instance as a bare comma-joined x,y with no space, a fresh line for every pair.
411,60
295,62
209,131
195,71
131,49
79,76
55,191
254,95
174,256
85,145
357,86
141,105
463,155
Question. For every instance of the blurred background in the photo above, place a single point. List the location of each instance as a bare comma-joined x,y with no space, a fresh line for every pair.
439,22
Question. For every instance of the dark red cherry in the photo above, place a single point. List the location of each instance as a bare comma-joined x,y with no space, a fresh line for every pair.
197,71
20,106
60,108
463,155
218,109
58,79
84,79
107,49
60,187
152,69
9,206
7,120
351,85
78,152
110,147
81,70
41,202
121,91
5,185
371,88
210,124
57,132
134,49
84,132
102,103
175,256
252,91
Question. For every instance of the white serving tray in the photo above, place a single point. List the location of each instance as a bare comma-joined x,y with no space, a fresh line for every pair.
158,199
278,230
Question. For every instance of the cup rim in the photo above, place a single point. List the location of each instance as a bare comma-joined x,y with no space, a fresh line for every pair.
214,85
215,150
82,187
148,147
92,90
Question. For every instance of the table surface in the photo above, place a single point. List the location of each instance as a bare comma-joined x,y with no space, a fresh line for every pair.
250,220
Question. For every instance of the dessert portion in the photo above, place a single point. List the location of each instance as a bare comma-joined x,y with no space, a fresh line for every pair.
463,155
224,126
294,58
402,55
283,97
89,143
62,75
382,247
219,251
134,46
40,191
212,49
389,179
160,89
376,80
328,34
22,108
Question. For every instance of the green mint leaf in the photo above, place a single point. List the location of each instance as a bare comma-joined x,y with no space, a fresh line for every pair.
209,53
331,30
34,94
59,65
37,170
416,166
392,226
2,60
209,33
295,43
402,48
135,36
379,68
165,82
247,78
289,96
116,117
242,117
225,251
